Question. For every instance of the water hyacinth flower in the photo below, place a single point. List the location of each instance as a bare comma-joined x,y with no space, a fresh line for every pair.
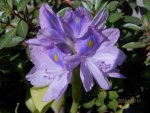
49,70
64,43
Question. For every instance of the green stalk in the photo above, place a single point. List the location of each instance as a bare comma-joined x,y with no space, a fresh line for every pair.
77,91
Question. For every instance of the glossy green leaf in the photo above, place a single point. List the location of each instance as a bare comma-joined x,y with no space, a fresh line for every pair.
102,109
89,104
113,104
113,95
98,4
134,45
22,5
132,26
112,5
88,5
37,96
102,95
62,11
131,19
99,102
115,17
7,38
15,41
22,29
147,4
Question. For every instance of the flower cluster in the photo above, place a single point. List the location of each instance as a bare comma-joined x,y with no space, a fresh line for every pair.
63,43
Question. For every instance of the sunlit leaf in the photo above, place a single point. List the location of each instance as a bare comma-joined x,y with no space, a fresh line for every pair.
37,96
6,39
134,45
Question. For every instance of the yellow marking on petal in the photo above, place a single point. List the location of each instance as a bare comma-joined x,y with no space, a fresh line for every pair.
77,19
90,43
56,57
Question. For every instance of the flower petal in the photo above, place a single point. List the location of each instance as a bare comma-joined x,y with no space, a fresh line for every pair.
116,75
48,19
112,34
72,61
109,58
78,20
98,75
39,77
86,77
100,18
89,42
57,87
40,58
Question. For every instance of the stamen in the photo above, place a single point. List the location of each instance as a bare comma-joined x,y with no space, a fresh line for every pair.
56,57
77,19
90,43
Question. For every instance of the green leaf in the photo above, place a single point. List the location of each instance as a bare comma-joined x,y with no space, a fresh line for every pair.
124,107
15,41
99,102
62,11
22,5
134,45
30,105
75,4
102,109
115,17
10,3
145,20
112,104
102,95
147,4
113,95
37,96
133,20
7,38
132,26
112,5
88,5
98,4
58,105
22,28
89,104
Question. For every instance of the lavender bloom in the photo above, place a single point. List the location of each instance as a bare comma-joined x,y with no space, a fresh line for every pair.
80,20
98,60
53,29
94,46
49,70
62,44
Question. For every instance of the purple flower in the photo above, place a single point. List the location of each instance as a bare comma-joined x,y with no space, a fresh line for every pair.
80,20
99,59
64,43
49,70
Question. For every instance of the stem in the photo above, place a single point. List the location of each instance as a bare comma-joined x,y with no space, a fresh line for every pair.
77,90
74,107
7,24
